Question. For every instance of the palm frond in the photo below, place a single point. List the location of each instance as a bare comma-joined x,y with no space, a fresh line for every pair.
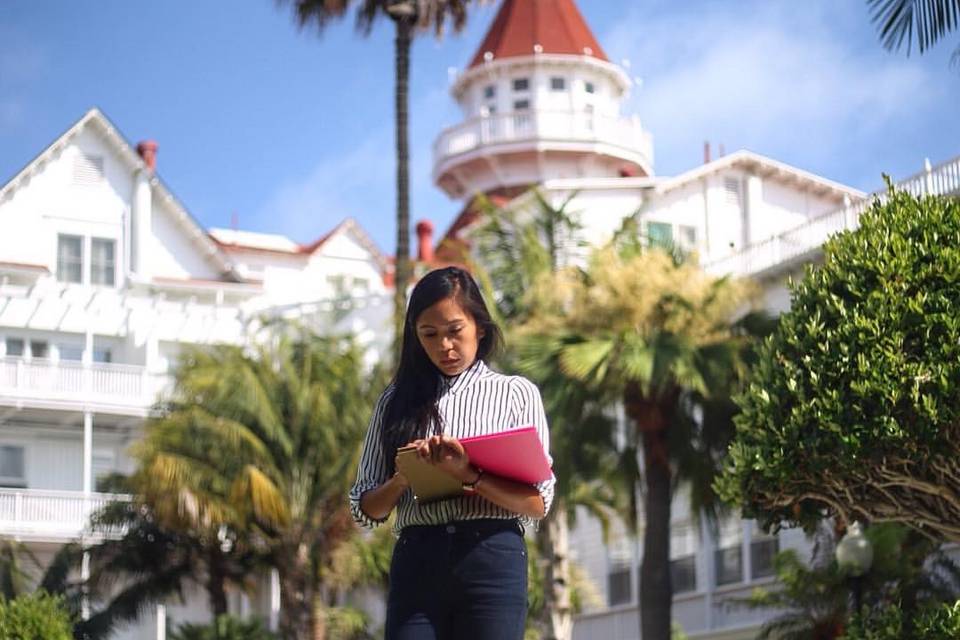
899,21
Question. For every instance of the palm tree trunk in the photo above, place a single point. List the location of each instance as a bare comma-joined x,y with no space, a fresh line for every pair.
404,26
216,590
555,547
656,591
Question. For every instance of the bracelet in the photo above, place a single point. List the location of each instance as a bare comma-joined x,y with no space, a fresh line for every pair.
470,488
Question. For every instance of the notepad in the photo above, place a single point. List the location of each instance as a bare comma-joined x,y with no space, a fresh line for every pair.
516,454
429,483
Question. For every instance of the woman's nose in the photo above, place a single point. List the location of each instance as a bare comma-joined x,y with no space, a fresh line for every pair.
446,343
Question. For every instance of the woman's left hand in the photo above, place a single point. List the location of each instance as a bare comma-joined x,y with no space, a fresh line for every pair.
448,454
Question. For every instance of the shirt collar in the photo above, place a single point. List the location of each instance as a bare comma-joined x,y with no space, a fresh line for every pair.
452,384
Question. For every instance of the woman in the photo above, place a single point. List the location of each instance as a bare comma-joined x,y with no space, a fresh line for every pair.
459,568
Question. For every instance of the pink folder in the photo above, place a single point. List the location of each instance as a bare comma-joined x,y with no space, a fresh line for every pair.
516,454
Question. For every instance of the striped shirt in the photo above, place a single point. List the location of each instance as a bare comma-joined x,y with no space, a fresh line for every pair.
476,402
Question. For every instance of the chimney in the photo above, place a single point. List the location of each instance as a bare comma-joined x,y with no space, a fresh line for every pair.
706,152
425,246
148,152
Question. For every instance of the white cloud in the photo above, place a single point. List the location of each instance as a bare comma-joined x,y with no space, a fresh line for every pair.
782,79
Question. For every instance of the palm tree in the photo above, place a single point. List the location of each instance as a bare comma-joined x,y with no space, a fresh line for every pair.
409,17
930,20
655,333
519,246
260,442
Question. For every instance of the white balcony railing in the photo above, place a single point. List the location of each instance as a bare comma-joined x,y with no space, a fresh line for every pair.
535,125
50,514
943,179
66,382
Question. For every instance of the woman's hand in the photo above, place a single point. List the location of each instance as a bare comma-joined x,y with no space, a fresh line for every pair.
448,455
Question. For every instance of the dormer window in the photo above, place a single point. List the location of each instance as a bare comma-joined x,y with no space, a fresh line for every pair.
102,262
558,83
521,84
489,91
69,258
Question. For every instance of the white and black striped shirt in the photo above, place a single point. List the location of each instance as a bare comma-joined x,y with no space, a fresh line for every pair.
476,402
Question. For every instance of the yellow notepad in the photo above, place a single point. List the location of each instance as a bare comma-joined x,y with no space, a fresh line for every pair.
428,483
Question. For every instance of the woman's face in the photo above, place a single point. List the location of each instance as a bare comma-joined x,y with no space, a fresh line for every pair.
449,335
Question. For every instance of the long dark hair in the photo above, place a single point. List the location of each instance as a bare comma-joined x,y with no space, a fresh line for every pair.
411,410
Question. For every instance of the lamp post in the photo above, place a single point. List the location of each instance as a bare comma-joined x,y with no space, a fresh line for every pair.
854,555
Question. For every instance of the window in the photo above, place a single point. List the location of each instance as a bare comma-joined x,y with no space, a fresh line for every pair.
12,468
69,258
683,558
14,347
683,574
102,262
102,354
87,169
39,349
729,565
70,352
558,84
618,586
660,235
521,84
588,87
763,549
338,284
489,91
521,105
687,237
728,557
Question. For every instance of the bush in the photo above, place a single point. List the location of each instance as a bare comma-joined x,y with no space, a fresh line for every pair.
933,623
854,404
37,616
225,628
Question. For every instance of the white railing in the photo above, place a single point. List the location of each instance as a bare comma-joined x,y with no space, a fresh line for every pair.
122,385
535,125
51,514
943,179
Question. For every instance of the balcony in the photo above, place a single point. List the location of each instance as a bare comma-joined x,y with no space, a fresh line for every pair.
50,515
111,388
796,245
623,137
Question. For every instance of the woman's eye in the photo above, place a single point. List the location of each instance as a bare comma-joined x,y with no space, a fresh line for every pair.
455,330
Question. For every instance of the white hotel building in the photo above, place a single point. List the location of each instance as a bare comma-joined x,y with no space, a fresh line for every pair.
104,276
541,106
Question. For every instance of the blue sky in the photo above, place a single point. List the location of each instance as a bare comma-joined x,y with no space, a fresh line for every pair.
292,132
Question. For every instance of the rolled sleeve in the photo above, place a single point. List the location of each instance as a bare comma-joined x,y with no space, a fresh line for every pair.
530,412
373,469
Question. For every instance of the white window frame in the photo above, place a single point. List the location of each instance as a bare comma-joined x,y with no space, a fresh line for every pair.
60,270
112,266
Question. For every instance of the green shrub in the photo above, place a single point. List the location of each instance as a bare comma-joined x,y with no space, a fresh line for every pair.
854,404
932,623
225,627
37,616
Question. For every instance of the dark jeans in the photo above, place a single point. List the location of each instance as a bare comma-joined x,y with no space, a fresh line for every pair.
461,581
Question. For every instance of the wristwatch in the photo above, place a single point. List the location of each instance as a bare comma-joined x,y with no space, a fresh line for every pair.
470,488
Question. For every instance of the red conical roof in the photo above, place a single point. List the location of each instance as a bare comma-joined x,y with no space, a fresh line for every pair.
555,25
